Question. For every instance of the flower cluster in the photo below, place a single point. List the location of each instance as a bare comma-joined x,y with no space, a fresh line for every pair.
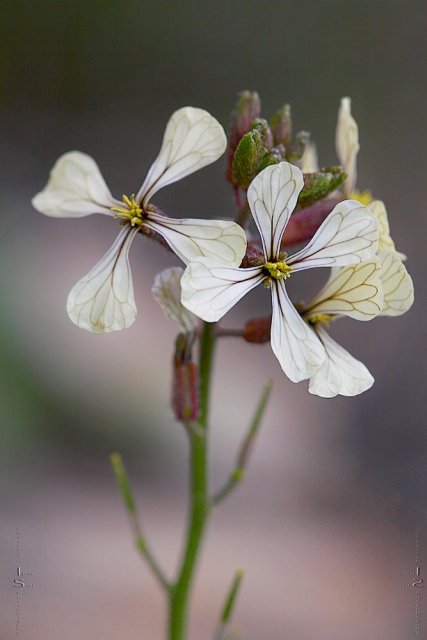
273,175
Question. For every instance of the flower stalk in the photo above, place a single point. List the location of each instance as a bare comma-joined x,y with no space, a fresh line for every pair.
199,494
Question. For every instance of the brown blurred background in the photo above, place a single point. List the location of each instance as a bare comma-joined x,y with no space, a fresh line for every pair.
326,522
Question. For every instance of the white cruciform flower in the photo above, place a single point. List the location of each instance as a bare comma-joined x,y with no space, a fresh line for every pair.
347,144
103,300
355,291
397,285
167,291
349,235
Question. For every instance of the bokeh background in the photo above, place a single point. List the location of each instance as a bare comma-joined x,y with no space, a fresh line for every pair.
326,522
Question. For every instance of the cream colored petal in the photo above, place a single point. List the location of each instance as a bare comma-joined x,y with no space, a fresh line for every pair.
340,373
167,291
294,342
272,196
397,285
75,189
103,300
210,289
192,139
347,144
355,291
221,240
310,160
349,235
385,241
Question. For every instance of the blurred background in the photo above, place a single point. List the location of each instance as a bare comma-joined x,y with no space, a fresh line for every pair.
326,522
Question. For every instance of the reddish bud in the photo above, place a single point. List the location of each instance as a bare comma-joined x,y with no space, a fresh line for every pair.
248,108
257,330
185,389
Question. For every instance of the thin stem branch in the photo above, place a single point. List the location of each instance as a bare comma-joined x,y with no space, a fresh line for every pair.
238,472
129,502
229,333
229,604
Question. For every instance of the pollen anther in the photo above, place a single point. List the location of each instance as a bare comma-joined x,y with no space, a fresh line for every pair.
278,270
132,212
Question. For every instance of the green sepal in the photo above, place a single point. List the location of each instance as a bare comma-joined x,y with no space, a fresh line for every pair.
318,185
246,158
273,157
261,125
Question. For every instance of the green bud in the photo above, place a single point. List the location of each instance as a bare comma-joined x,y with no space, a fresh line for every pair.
281,125
246,158
274,157
318,185
263,127
296,149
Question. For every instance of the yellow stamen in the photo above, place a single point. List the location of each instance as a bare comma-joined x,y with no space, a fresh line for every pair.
131,213
278,270
364,197
324,319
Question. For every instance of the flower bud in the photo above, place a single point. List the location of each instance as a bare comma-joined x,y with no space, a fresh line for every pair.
263,127
319,184
257,330
281,125
185,389
246,159
295,151
248,108
254,153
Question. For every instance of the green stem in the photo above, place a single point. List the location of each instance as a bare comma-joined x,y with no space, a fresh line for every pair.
199,496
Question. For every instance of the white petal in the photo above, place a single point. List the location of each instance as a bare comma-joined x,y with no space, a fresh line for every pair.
210,289
294,342
397,285
310,160
220,240
75,189
272,196
385,241
349,235
192,140
355,291
340,374
103,300
167,291
347,143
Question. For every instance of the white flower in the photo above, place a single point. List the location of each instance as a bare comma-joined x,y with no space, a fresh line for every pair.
398,288
349,235
380,286
167,291
103,300
355,291
397,284
347,144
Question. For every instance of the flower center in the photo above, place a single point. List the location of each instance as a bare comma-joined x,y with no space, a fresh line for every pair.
131,212
323,319
278,270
